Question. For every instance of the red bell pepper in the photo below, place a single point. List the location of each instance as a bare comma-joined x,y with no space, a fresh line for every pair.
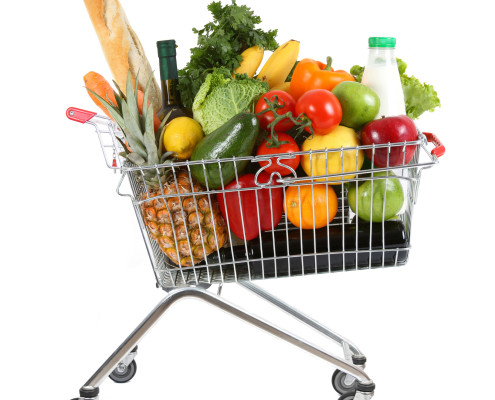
247,216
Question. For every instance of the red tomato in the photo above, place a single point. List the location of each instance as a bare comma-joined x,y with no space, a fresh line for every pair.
266,118
323,109
290,147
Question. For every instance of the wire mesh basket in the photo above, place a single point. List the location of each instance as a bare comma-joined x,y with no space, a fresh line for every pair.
187,226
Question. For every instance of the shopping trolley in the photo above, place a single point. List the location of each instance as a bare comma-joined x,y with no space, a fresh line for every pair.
347,243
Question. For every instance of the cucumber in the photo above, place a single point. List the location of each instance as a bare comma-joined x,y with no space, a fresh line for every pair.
235,138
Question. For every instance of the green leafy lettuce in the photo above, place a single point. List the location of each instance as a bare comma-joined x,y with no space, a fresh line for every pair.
419,97
220,44
220,97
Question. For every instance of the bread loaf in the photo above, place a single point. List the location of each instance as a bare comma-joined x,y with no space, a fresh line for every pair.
122,47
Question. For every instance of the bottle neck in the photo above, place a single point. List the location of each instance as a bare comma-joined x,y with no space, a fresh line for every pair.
168,68
169,81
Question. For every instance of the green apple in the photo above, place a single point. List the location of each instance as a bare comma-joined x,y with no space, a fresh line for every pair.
385,195
360,104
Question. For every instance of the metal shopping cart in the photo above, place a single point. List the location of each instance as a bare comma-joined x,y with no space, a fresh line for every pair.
347,243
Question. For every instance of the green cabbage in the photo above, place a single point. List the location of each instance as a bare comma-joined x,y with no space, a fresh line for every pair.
220,97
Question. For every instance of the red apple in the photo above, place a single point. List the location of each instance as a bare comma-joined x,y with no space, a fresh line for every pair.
397,129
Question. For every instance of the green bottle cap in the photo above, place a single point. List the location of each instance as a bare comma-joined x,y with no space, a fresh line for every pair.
166,48
381,42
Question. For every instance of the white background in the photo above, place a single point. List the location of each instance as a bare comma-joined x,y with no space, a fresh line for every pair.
75,277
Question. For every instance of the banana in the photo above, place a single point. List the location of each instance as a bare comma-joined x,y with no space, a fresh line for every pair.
284,86
278,66
251,60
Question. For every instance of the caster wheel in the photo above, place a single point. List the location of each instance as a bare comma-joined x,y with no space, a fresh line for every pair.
338,383
125,375
347,396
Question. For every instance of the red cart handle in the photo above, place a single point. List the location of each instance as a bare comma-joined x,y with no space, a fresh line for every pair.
78,115
439,149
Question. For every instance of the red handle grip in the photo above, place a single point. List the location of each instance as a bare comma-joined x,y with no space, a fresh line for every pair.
78,115
439,149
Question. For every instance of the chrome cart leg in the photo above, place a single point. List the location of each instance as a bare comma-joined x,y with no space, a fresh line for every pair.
91,389
349,348
342,382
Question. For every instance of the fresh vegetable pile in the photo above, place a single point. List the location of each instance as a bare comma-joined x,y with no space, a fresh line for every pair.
299,118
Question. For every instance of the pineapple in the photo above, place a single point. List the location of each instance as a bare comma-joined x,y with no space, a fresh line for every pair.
187,228
188,233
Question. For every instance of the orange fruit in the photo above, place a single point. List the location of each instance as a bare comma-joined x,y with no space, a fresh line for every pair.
300,201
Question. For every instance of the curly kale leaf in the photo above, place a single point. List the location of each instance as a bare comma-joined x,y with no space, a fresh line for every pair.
220,44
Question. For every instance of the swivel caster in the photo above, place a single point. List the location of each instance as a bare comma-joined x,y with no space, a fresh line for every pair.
123,374
339,382
126,369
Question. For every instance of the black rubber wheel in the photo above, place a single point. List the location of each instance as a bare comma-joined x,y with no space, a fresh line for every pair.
338,382
348,396
124,376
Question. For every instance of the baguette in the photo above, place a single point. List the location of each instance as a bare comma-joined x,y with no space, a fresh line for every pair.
122,48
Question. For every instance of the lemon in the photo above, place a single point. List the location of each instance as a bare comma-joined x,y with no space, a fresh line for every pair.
181,135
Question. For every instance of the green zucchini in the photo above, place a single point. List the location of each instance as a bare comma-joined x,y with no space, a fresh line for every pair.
235,138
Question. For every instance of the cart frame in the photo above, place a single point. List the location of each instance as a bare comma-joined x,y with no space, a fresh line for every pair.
349,379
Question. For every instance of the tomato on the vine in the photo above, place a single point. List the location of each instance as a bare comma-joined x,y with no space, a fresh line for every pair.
266,118
286,148
323,109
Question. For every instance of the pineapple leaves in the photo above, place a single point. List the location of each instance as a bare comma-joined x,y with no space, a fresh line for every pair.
136,159
126,150
112,105
131,100
118,99
145,99
136,85
160,132
166,155
149,138
133,132
139,142
117,117
121,94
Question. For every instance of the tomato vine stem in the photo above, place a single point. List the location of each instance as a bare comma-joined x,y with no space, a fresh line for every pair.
301,122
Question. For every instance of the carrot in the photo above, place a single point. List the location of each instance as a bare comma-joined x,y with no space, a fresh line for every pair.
100,86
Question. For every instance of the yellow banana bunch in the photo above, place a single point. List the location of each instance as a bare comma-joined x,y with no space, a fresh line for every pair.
278,66
251,60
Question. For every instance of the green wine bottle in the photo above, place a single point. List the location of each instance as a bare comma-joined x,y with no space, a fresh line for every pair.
169,77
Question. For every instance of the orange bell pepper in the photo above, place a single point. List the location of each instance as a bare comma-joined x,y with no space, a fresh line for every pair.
310,74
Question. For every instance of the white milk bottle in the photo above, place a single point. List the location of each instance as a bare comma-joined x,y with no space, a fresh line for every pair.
382,75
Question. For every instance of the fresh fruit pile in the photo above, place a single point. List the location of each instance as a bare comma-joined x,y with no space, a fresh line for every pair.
298,118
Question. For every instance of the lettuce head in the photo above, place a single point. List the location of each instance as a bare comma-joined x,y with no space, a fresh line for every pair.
220,97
